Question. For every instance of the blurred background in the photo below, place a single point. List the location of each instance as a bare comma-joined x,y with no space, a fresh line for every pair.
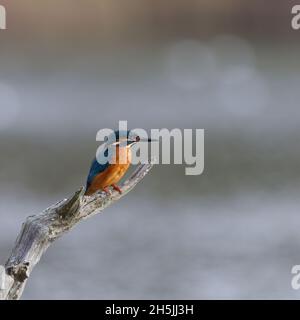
69,68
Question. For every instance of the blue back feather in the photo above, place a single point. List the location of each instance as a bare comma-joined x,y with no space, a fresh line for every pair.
95,169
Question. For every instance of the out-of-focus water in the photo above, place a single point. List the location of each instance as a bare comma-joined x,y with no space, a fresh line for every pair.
229,233
242,246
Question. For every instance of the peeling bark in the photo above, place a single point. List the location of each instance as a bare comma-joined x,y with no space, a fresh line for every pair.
39,231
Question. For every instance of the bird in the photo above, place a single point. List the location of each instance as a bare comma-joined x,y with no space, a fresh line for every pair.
109,172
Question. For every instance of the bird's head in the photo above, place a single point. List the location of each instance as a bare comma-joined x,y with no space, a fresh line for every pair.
124,139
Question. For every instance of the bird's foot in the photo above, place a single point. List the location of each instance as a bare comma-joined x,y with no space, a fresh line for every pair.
106,190
117,188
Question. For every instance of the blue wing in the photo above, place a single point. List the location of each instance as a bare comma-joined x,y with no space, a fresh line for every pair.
95,169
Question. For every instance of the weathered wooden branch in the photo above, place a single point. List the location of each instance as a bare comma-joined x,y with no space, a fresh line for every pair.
40,230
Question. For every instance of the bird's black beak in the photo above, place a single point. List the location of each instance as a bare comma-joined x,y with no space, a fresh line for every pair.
147,140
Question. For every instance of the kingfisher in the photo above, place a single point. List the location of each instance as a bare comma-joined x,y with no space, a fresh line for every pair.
116,162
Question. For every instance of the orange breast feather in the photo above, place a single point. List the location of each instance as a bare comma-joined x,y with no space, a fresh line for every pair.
114,173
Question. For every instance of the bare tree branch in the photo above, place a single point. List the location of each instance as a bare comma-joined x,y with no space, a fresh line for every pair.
39,231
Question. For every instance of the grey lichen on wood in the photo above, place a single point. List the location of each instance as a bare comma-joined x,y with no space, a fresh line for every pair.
39,231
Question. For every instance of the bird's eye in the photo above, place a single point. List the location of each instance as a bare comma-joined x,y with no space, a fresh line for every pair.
137,139
105,139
